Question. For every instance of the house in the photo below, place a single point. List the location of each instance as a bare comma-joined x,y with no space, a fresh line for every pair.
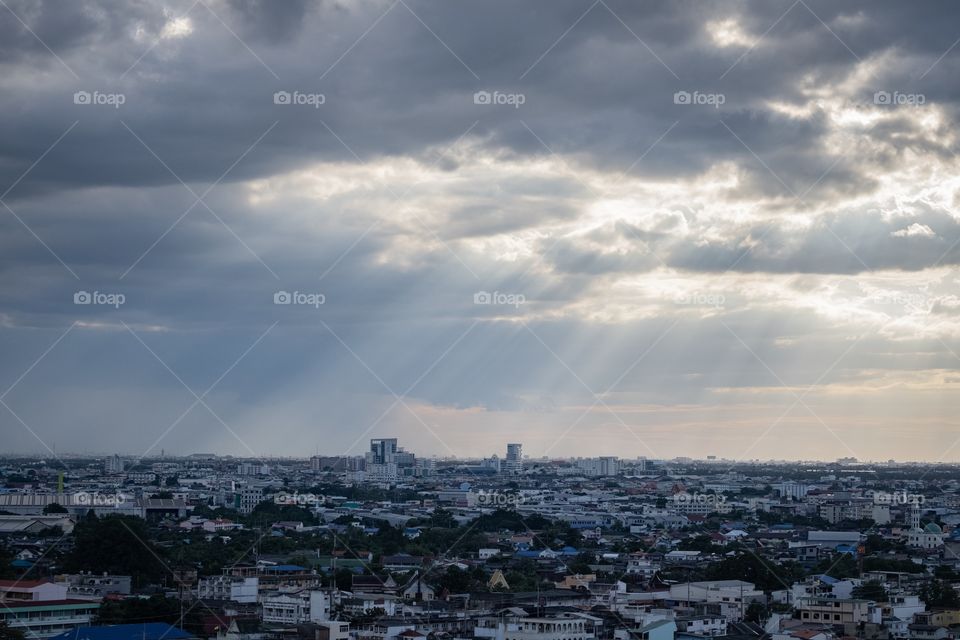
416,589
836,610
656,630
372,584
497,581
324,630
401,562
242,629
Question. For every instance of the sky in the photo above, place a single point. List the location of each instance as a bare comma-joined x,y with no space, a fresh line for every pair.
600,227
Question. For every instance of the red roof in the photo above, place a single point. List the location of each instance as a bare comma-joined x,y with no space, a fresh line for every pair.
26,584
14,604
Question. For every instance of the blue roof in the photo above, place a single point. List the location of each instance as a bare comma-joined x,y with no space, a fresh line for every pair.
284,568
825,579
147,631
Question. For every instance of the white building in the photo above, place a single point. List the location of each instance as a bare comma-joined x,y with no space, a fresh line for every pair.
927,537
566,627
602,466
229,588
514,460
247,498
113,464
731,596
296,606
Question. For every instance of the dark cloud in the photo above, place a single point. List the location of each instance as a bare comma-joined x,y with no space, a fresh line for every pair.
400,197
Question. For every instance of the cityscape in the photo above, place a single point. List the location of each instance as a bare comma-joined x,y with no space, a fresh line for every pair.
479,320
390,545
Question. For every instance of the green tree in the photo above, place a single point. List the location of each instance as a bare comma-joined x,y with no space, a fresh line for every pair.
9,633
442,518
153,609
343,579
456,580
939,593
54,507
119,545
765,573
756,612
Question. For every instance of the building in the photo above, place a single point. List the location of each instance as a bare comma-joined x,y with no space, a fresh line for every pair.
514,461
295,607
602,466
247,499
793,490
113,464
41,618
929,536
95,586
729,598
836,610
325,630
382,451
241,589
79,504
564,627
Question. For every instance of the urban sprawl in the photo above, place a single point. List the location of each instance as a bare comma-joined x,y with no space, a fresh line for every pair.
391,546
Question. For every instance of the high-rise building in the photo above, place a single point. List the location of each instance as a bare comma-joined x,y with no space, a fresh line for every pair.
113,464
386,462
382,451
514,460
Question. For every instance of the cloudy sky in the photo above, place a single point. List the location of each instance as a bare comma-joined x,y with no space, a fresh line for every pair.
594,227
